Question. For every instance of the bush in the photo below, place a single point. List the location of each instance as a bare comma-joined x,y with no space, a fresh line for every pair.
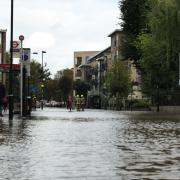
140,103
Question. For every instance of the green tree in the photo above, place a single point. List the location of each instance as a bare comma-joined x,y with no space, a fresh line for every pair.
159,49
65,87
134,21
118,79
52,91
66,84
81,87
38,77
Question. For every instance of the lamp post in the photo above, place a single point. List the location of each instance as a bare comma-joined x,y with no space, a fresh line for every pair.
42,85
43,52
11,62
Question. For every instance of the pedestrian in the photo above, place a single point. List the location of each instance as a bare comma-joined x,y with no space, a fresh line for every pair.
82,102
2,95
69,103
5,103
78,103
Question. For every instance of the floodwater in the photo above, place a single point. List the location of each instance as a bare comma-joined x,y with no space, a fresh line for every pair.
93,145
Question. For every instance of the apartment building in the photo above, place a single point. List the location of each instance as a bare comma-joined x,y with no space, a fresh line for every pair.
80,60
97,68
117,37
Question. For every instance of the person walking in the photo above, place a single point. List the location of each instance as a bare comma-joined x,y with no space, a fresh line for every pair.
5,103
2,95
69,103
82,102
78,103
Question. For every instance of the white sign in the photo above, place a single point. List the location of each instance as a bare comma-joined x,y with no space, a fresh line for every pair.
16,46
26,56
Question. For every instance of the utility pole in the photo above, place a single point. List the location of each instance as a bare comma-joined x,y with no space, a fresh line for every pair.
11,62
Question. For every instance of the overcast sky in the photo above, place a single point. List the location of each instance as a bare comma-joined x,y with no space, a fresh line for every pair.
61,27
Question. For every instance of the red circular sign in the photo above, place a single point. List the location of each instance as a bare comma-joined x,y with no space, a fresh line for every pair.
21,37
15,44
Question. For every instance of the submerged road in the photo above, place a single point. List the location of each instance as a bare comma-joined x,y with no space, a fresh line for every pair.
93,145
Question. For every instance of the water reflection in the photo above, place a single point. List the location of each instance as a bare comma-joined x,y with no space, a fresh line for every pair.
90,145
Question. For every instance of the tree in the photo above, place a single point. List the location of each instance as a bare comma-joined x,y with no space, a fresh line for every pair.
51,90
81,87
38,77
118,79
65,84
159,49
134,15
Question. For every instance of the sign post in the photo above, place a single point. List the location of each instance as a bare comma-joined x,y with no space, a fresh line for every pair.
16,49
21,38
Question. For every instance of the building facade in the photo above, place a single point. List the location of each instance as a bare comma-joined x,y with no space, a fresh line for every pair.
117,37
92,67
81,59
98,66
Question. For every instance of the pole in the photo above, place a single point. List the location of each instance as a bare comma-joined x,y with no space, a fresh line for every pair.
42,83
21,38
11,62
21,71
158,97
179,68
24,93
42,61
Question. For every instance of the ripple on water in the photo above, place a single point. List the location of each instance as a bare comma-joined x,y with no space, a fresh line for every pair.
92,145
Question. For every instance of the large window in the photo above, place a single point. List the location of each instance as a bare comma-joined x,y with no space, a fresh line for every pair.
79,61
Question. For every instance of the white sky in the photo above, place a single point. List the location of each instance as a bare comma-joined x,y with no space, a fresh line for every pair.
61,27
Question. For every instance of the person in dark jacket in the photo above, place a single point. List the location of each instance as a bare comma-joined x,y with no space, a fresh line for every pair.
2,95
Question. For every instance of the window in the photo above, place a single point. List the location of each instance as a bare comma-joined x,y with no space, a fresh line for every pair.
79,61
87,57
79,73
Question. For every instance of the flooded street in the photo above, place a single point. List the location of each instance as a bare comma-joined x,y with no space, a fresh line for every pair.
94,145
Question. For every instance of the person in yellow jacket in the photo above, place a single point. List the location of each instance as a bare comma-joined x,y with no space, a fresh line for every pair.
78,101
82,100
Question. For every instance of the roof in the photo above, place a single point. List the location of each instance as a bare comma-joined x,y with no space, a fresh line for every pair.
3,30
98,54
115,31
84,65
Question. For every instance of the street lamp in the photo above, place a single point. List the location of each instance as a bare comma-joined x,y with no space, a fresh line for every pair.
43,52
11,62
42,85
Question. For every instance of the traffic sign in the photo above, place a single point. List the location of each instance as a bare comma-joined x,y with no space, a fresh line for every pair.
26,56
16,46
21,37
